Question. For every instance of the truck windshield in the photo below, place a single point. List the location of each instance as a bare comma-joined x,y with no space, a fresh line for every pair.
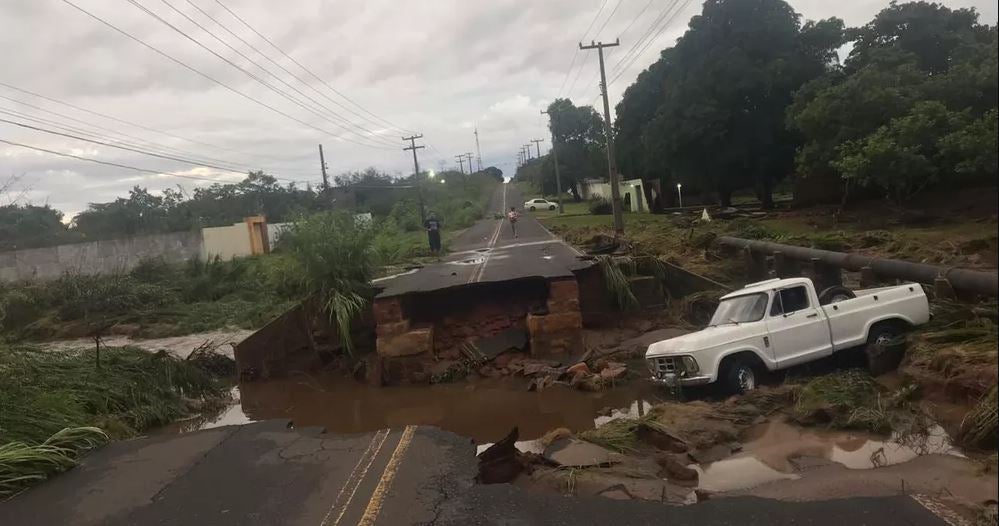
740,309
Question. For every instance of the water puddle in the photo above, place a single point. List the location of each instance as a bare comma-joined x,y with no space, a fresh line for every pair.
773,450
484,410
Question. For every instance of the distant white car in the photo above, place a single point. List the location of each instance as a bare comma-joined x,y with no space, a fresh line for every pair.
540,204
779,323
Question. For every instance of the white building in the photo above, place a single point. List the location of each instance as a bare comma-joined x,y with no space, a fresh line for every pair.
632,193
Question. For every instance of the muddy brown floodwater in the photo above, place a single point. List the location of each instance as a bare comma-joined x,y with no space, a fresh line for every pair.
484,410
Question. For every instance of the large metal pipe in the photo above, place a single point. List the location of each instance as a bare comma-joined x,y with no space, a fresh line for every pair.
975,281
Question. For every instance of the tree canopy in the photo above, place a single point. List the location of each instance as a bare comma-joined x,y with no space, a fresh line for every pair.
913,106
579,137
710,112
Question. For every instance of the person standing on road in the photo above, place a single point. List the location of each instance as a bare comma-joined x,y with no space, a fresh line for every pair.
433,226
513,216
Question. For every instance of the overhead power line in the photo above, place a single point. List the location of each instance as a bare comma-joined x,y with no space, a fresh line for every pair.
307,70
141,142
329,115
122,147
108,163
666,19
286,70
248,73
129,123
211,78
576,52
72,129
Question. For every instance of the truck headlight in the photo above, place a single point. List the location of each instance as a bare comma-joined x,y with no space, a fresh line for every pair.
690,365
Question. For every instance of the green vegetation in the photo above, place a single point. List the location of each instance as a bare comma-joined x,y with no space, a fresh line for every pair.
333,264
579,134
913,107
56,404
618,286
154,300
616,435
852,399
22,465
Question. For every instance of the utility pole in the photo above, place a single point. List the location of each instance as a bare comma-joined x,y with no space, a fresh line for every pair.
478,151
461,162
608,132
527,148
469,156
416,172
322,165
558,180
537,143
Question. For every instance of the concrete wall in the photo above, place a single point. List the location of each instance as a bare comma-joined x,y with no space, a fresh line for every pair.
226,242
98,256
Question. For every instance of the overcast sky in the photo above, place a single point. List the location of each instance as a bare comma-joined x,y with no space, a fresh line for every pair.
436,67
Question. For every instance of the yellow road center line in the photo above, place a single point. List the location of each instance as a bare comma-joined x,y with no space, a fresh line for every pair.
356,477
388,476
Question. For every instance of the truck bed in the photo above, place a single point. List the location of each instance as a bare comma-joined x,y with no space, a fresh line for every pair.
850,320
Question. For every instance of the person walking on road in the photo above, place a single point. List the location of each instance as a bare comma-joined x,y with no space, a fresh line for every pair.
433,226
512,216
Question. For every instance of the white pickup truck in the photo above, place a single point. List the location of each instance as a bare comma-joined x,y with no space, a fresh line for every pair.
779,323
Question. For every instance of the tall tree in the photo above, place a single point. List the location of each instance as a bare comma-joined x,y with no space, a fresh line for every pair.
579,137
710,112
909,107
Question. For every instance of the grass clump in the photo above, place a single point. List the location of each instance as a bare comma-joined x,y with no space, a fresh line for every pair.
133,390
58,404
978,429
22,464
852,399
618,285
616,435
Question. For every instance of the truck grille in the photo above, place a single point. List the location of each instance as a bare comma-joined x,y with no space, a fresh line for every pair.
665,365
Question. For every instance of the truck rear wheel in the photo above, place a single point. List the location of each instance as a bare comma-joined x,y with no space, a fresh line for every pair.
885,348
739,376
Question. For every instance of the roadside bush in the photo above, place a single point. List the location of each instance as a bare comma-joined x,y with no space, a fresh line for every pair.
600,207
335,265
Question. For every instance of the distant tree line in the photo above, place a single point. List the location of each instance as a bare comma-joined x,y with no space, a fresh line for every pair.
750,96
172,210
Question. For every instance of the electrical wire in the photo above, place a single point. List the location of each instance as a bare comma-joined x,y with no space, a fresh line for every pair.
129,123
122,147
307,70
109,163
282,68
248,73
147,144
211,78
575,52
335,118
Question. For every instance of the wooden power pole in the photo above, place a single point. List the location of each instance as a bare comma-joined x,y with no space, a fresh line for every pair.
537,144
553,123
416,173
322,165
461,162
608,132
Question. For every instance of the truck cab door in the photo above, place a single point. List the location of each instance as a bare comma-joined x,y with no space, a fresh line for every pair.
799,331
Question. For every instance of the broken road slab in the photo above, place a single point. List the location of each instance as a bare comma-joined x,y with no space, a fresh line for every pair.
271,474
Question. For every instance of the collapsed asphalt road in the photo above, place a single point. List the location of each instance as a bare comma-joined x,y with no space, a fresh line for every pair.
489,251
270,474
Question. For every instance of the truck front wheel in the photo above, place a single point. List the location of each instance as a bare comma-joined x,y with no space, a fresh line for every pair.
739,376
885,348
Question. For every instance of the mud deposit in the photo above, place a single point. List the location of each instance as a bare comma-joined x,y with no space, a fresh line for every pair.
484,410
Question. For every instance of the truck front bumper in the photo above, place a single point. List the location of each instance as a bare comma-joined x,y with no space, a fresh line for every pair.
670,380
